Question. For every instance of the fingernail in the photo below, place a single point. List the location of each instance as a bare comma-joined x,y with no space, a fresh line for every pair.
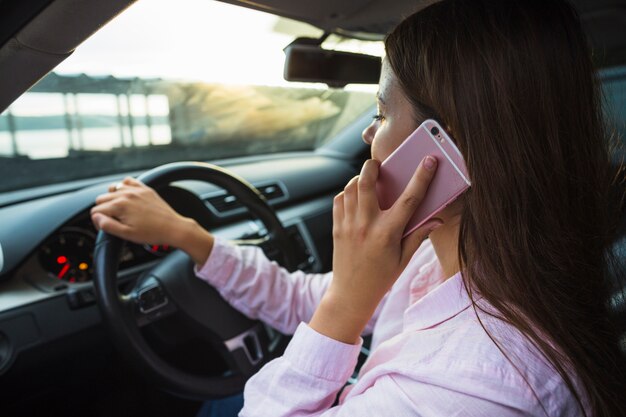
429,163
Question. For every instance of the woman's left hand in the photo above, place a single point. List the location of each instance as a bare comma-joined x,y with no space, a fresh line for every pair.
369,252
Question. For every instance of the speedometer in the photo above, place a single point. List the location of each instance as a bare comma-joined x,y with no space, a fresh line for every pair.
68,255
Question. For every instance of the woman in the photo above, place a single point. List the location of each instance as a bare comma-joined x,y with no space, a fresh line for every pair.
502,311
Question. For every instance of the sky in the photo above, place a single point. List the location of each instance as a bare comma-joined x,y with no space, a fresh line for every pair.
201,40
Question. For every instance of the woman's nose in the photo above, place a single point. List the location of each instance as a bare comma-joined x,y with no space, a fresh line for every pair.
368,134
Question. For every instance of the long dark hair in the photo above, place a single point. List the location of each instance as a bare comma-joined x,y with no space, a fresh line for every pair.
514,83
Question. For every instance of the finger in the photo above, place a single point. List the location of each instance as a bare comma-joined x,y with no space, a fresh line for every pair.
110,225
127,181
109,208
415,191
132,182
338,214
122,192
368,201
103,198
351,197
415,239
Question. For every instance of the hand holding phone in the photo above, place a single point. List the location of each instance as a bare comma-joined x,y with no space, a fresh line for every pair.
450,181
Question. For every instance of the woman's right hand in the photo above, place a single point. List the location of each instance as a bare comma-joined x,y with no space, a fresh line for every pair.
135,212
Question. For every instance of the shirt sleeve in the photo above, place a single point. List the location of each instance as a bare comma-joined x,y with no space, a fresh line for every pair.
306,379
261,289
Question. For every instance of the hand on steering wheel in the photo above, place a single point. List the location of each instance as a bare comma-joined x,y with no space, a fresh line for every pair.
135,212
172,288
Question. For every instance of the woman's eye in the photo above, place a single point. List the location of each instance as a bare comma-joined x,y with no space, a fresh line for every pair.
378,117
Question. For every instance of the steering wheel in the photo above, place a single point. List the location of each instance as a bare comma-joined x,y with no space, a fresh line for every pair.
172,287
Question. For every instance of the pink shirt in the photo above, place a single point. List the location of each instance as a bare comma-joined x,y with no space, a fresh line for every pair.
430,355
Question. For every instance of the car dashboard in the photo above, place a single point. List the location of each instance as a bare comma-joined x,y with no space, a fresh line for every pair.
46,289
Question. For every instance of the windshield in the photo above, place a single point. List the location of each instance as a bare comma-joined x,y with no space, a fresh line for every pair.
170,81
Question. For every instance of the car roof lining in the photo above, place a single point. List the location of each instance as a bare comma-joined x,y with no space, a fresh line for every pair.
14,14
603,20
47,39
375,18
52,35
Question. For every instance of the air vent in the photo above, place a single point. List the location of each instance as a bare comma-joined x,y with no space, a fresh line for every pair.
272,191
223,203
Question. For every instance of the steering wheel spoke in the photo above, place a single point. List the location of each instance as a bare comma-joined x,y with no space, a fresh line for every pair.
150,303
249,348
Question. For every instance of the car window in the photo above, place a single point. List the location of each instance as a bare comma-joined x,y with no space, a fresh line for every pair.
169,81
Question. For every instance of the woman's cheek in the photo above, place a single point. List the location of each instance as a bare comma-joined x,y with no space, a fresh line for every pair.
375,147
380,152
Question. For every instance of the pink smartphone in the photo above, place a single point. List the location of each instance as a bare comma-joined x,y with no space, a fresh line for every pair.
450,181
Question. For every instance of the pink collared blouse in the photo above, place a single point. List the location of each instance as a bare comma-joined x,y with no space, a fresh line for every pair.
430,356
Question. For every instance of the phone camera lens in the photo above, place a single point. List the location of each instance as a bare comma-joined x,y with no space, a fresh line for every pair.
434,131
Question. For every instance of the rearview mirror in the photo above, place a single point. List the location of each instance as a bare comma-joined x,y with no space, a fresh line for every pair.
306,61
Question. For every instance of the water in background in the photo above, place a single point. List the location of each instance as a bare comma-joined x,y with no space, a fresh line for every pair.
49,124
56,143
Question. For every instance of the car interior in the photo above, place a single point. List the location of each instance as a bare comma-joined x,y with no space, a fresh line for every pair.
92,325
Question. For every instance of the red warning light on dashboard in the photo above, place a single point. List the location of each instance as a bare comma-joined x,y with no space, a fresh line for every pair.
61,259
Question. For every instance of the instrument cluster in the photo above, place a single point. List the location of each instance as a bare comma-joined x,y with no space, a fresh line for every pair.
67,255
